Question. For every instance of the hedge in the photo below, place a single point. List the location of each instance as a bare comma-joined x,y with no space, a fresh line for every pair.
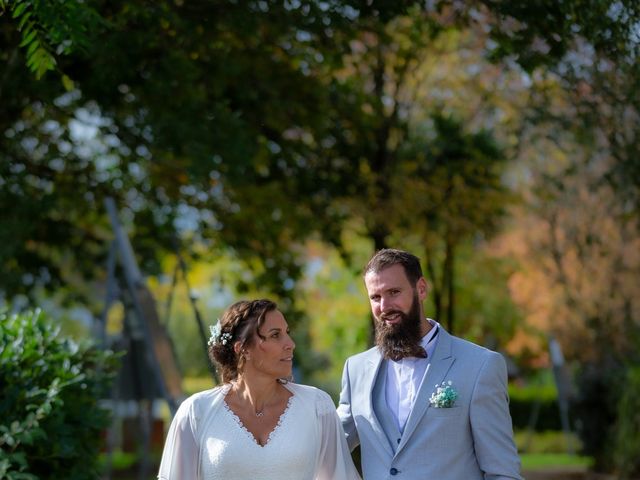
524,400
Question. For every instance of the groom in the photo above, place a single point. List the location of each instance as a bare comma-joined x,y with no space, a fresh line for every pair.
423,404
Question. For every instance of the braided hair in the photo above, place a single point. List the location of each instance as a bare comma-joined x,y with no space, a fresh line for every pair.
239,323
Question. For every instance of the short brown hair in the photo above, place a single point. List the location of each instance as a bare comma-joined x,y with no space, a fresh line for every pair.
388,257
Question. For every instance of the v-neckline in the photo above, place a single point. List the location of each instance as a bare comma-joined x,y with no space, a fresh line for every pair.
251,436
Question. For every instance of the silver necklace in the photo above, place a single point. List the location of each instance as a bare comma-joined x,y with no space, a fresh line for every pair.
259,413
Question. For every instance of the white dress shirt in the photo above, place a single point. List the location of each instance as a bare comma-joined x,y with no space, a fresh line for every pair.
404,378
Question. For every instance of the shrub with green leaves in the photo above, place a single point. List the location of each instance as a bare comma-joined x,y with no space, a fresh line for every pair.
51,420
524,400
595,410
626,439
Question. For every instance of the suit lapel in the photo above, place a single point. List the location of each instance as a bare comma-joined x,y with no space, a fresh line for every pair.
441,362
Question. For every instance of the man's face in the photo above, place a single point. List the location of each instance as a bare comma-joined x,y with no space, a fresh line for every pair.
396,305
391,294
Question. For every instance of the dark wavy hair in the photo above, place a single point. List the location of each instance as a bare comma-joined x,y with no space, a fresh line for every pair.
241,322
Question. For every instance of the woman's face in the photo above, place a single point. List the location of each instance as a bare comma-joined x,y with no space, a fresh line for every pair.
272,354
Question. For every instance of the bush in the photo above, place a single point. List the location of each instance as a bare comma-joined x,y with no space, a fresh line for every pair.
626,439
595,410
523,401
51,421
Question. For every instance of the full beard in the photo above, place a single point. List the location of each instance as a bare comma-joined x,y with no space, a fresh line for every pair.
402,339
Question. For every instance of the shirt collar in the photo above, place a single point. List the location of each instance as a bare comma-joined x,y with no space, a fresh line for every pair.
431,334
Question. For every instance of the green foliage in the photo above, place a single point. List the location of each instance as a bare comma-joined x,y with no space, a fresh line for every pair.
120,462
49,29
50,418
540,33
261,124
529,393
599,386
486,313
546,461
449,192
190,104
339,316
523,401
547,441
626,438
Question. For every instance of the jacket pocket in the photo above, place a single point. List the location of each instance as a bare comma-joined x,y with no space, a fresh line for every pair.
444,412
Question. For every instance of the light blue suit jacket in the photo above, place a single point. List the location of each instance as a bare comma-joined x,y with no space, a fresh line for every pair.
471,440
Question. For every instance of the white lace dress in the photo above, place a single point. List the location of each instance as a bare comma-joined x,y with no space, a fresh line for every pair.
207,441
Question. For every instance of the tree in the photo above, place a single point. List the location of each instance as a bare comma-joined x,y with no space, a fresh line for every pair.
592,48
579,237
185,108
401,164
461,196
194,117
577,246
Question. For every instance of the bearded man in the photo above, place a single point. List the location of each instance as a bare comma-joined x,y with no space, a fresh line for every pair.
423,404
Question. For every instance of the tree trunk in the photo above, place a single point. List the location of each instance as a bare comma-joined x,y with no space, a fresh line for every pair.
450,286
435,287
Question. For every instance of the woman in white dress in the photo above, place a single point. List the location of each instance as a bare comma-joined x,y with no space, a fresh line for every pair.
256,425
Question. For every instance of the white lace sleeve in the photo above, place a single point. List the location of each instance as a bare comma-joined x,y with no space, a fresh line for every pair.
180,455
334,458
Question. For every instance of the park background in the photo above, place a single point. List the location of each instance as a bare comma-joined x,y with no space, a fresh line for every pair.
268,148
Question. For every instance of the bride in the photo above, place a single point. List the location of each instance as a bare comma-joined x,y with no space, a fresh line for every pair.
256,424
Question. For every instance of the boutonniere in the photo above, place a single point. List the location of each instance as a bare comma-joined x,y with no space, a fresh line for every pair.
444,396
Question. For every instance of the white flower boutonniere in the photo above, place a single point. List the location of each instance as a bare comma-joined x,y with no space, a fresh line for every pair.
444,396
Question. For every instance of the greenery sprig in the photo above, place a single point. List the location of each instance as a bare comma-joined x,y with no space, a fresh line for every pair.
49,29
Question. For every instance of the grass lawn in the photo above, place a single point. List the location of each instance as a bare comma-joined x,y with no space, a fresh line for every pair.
536,461
124,467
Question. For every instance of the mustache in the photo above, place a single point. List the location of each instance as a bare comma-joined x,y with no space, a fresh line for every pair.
391,313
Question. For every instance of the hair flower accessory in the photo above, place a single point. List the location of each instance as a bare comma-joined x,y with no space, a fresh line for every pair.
217,336
444,396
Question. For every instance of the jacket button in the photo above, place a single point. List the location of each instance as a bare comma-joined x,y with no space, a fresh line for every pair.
393,471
